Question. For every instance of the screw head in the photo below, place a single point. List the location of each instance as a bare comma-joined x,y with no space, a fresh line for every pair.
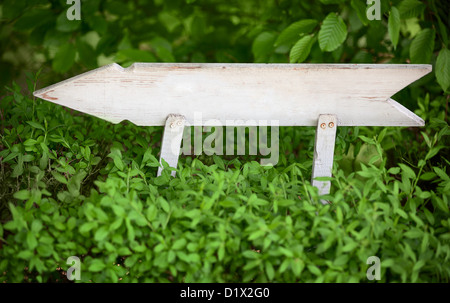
323,125
179,123
331,125
172,125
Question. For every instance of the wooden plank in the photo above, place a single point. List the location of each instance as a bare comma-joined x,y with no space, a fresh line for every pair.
324,152
357,93
171,142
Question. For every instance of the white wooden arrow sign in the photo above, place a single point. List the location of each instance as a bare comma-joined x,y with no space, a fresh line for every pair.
319,95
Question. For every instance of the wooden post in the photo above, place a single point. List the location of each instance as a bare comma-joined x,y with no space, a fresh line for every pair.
324,152
171,142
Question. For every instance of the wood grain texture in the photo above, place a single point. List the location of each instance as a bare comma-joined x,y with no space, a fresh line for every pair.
294,94
171,142
324,152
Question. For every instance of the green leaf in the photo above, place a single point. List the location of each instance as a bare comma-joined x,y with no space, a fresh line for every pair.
270,271
221,252
301,49
314,270
422,46
402,213
341,260
36,125
433,152
33,18
332,33
124,251
22,194
36,226
118,163
149,159
65,25
18,168
427,176
292,33
360,8
288,253
442,31
130,230
98,23
119,211
164,205
179,244
101,234
442,69
25,254
28,158
394,170
151,213
64,58
164,54
429,216
87,54
218,160
413,234
31,240
263,46
11,225
135,55
71,223
87,153
29,142
43,162
350,246
86,227
96,266
256,234
297,266
10,157
169,21
60,178
285,202
441,173
407,171
410,8
394,26
441,204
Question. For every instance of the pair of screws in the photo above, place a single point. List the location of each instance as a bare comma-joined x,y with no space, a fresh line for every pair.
324,125
173,124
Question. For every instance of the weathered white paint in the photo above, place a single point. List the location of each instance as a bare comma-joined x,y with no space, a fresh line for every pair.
324,152
171,142
294,94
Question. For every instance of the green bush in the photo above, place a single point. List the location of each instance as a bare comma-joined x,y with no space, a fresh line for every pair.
75,185
79,186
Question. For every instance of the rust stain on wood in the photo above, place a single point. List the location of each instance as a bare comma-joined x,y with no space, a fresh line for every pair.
185,67
46,96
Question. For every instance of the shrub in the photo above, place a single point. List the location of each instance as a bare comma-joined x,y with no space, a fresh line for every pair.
75,185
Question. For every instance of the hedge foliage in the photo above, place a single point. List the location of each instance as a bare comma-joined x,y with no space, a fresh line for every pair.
75,185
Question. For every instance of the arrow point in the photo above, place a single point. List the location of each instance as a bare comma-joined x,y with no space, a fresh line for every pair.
409,118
